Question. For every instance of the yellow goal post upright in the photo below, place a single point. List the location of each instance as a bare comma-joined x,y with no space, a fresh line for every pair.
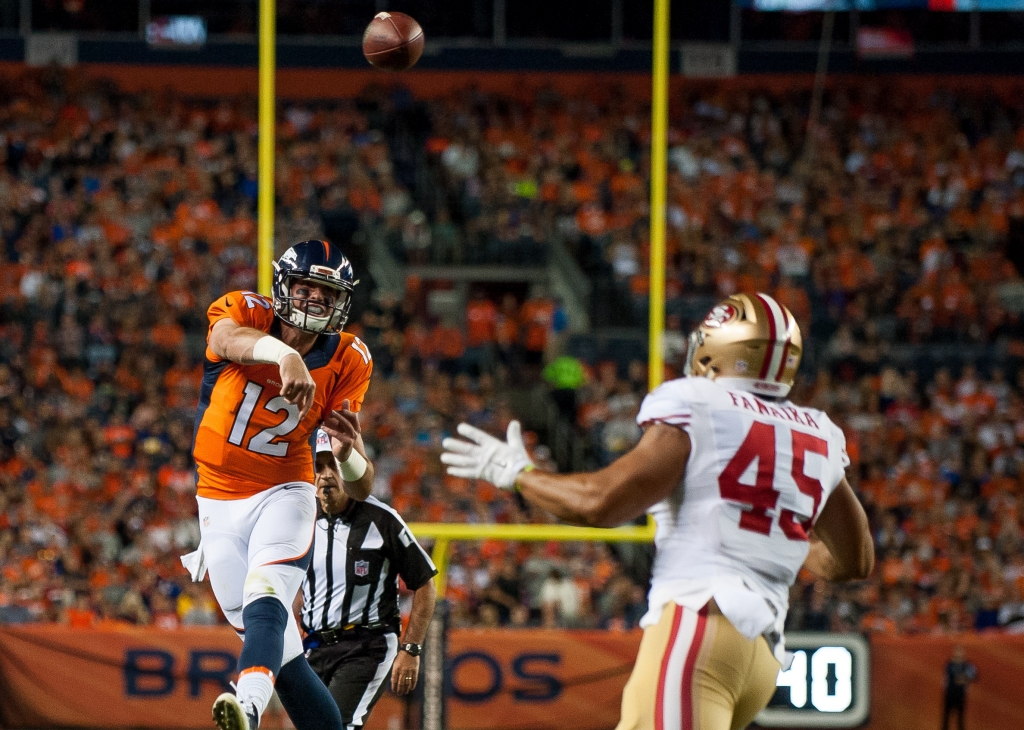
266,145
444,534
659,179
433,712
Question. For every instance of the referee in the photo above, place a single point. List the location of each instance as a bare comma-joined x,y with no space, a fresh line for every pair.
348,604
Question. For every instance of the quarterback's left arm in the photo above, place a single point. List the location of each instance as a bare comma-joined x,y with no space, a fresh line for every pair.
342,419
620,492
347,444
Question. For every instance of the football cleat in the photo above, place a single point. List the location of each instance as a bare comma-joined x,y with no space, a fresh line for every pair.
229,714
750,342
320,262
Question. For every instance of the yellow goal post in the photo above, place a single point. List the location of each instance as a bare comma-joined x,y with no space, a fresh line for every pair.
434,663
444,534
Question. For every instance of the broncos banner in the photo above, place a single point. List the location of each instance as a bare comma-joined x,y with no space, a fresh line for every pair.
146,678
51,676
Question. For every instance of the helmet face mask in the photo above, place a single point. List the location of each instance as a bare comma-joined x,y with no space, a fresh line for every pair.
310,315
750,342
316,262
695,340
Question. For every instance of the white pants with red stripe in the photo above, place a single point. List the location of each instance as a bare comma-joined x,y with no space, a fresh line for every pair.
258,547
695,671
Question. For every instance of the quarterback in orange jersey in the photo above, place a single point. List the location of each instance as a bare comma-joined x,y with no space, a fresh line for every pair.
745,487
276,369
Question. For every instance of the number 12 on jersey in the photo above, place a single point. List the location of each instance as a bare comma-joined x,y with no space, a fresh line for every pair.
263,442
763,495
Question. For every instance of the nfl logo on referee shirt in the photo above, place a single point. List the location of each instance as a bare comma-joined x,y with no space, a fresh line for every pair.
362,568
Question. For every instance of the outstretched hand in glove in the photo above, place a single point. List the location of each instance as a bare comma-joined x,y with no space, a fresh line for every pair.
478,455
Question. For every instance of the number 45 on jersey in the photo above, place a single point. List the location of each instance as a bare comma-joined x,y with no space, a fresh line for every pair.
763,495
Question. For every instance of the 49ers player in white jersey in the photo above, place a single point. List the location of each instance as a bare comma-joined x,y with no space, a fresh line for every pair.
745,487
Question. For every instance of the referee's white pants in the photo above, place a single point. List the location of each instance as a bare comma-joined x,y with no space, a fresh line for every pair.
259,547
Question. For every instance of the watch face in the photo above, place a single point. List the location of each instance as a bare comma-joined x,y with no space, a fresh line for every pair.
413,649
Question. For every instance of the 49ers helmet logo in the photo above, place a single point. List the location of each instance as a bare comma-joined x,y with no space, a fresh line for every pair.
720,315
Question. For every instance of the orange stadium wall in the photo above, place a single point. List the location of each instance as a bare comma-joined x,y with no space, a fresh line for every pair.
295,83
501,680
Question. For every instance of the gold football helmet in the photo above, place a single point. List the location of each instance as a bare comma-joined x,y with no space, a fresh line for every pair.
749,341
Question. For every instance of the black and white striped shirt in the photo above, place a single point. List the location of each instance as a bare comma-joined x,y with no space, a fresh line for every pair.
358,556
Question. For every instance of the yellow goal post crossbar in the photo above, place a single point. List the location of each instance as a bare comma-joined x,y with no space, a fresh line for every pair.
444,534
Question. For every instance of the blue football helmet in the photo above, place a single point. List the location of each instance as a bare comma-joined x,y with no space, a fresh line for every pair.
320,262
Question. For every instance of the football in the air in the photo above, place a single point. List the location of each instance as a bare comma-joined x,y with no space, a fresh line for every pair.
393,41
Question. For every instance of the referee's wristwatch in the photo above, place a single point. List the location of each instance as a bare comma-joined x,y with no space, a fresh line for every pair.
413,649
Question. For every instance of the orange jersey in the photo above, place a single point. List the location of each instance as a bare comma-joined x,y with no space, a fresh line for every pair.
248,439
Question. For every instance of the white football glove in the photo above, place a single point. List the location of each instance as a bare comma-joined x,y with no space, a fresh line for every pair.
485,457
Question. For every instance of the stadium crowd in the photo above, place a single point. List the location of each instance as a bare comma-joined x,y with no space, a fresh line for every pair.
901,205
122,217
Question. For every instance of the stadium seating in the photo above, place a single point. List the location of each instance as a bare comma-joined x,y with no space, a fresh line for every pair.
122,217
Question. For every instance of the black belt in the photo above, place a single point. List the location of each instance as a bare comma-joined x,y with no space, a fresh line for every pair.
327,637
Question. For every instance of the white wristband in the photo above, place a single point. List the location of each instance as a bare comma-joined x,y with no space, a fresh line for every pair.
271,350
353,468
